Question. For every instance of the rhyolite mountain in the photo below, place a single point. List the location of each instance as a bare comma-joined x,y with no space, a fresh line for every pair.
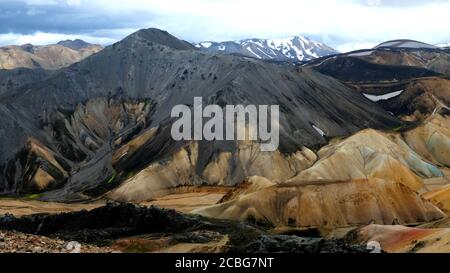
83,130
390,61
407,78
294,49
48,57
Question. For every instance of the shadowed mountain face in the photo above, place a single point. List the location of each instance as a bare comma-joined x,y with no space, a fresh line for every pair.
86,128
15,79
391,61
411,99
351,69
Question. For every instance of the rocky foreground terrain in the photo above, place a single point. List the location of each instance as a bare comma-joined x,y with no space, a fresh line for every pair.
131,228
16,242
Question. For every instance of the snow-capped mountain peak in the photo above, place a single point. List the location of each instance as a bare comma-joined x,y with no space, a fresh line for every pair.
294,48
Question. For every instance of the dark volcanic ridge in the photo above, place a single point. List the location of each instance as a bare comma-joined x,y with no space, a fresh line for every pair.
102,226
351,69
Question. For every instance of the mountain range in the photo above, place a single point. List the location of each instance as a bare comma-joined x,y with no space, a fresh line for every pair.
364,139
49,57
390,61
443,45
295,48
87,122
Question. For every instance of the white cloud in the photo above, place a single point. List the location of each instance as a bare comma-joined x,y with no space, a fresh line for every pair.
207,20
347,47
40,2
354,22
373,2
73,2
41,38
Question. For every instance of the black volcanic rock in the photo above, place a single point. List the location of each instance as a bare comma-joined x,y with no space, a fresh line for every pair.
18,78
69,124
117,220
153,35
295,244
113,221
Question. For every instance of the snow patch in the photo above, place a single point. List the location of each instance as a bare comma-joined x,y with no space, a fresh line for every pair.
386,96
360,54
251,51
322,133
206,44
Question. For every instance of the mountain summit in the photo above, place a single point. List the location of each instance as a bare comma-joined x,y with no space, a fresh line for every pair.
295,48
161,37
403,43
76,44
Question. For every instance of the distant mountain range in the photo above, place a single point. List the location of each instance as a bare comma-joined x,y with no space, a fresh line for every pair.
404,43
76,44
394,60
295,48
443,45
49,57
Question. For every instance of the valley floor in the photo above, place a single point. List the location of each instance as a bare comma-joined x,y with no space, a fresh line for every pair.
184,200
432,237
20,207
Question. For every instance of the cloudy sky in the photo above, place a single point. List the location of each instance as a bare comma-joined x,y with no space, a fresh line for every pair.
343,24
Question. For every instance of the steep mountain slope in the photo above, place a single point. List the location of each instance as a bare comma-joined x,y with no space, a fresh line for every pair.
50,57
370,177
338,204
290,49
14,79
369,154
87,128
431,140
